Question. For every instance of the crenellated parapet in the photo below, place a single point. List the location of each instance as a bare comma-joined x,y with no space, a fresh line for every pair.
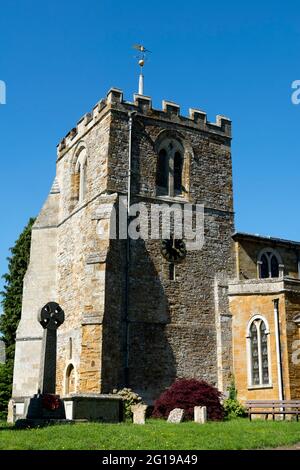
170,112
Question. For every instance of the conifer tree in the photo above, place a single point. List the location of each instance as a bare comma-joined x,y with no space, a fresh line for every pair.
12,306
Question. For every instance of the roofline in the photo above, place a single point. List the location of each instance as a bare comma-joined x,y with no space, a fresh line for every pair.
251,237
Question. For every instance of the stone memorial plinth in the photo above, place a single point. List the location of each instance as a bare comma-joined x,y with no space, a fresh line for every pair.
139,413
200,414
176,416
94,407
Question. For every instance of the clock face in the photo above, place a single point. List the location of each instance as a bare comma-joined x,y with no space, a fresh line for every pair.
173,250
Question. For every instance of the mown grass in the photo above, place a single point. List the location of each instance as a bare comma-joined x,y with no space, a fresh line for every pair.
155,435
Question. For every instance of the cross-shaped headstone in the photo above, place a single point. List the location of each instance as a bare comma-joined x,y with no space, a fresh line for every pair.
50,317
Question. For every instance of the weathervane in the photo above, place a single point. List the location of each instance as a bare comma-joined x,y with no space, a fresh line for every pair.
142,60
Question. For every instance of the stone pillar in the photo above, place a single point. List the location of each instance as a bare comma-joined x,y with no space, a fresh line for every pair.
139,413
200,414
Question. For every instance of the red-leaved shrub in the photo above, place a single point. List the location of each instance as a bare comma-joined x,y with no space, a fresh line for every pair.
187,393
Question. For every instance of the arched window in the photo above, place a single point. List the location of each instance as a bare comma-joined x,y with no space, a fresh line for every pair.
169,168
162,170
258,351
269,263
70,379
80,184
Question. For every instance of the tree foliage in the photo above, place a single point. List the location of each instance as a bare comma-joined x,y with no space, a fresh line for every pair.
186,394
12,306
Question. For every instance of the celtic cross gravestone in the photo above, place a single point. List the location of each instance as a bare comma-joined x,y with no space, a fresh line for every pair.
51,316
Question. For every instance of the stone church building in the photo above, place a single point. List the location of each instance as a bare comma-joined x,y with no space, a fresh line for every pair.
136,314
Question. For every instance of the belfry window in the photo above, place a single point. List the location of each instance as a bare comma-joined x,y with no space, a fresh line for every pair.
169,168
258,353
268,264
81,175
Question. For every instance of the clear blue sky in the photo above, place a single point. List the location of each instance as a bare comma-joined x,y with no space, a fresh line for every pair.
58,58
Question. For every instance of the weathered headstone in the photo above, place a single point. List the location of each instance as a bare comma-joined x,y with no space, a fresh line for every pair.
11,411
2,352
176,415
200,414
139,413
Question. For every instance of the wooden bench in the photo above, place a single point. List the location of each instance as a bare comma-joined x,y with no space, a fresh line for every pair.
273,407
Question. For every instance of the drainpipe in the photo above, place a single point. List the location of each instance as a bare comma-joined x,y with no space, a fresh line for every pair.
126,316
278,350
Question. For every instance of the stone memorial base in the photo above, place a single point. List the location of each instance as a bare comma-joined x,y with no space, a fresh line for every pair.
94,407
34,408
39,410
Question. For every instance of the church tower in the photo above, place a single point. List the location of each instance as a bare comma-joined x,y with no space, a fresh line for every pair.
136,314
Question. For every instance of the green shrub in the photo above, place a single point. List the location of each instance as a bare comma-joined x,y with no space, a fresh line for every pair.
234,409
129,398
232,391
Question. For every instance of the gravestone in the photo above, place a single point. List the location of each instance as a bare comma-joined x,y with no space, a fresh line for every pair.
50,317
45,406
2,352
176,415
139,413
200,414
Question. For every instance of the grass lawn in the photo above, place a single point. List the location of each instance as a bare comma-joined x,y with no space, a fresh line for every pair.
155,435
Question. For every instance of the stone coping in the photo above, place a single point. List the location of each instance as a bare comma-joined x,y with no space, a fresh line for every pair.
89,396
263,286
170,112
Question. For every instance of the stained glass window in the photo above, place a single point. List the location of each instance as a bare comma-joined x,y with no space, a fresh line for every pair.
264,353
259,353
254,355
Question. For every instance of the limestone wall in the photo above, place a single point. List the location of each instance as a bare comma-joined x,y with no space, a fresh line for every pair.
39,288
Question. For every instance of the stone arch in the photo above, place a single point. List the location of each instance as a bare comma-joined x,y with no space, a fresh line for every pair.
70,379
269,263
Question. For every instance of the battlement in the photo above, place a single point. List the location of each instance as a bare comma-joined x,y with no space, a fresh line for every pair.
170,112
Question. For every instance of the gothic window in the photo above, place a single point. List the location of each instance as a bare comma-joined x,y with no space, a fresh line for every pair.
258,353
80,177
169,168
268,264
